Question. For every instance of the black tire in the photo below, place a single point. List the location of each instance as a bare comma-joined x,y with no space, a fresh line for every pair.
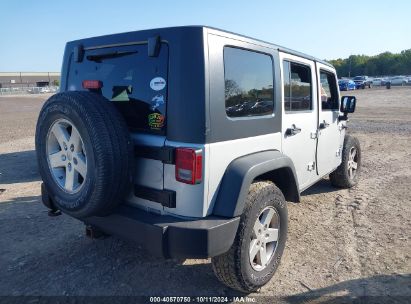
340,177
234,268
109,149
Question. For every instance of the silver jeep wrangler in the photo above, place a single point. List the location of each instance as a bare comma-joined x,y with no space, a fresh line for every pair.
190,140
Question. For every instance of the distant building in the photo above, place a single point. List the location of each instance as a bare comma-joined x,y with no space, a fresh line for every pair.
28,79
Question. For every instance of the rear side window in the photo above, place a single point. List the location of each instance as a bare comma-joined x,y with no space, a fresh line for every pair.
329,92
248,78
297,87
134,82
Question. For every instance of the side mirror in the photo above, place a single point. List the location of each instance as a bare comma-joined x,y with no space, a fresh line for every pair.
348,104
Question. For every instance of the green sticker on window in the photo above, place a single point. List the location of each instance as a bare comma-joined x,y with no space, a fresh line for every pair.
155,121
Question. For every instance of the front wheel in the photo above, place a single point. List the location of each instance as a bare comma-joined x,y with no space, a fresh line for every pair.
347,173
259,244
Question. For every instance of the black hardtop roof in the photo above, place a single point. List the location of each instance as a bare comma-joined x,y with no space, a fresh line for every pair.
159,31
272,45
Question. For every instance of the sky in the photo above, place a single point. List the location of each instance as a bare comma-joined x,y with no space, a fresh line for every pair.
33,33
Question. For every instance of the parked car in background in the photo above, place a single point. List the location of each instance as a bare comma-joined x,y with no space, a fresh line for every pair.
377,82
346,84
361,82
54,89
399,80
45,90
384,81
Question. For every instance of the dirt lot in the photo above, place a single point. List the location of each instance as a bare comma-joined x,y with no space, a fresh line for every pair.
341,242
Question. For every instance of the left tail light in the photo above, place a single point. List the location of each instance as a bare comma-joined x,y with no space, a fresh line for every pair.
189,165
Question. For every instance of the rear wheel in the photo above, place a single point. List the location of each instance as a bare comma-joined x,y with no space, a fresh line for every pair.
257,249
84,153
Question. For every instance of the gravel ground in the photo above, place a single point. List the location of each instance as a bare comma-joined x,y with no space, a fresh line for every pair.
341,242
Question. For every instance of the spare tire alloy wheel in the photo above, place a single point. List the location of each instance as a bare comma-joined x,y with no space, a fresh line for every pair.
84,154
264,240
66,156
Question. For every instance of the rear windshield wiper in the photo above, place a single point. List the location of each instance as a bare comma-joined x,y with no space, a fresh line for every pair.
100,57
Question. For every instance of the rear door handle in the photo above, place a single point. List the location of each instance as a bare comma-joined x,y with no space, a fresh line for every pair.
292,131
324,125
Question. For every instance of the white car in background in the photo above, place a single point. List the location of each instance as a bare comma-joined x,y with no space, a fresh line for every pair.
399,80
45,90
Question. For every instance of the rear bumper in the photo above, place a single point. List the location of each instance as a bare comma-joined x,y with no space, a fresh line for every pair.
168,236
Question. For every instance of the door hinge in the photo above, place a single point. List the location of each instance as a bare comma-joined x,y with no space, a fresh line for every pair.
165,154
342,126
314,135
311,166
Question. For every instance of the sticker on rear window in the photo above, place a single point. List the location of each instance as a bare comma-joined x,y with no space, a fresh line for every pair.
157,83
157,101
155,121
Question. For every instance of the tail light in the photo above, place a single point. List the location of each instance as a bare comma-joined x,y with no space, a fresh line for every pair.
92,84
189,165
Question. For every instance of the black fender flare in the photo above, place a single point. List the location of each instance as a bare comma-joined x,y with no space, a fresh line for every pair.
241,172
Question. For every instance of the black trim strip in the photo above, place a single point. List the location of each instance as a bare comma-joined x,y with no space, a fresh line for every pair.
165,197
165,154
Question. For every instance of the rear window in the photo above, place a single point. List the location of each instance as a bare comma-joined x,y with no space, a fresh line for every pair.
133,81
248,81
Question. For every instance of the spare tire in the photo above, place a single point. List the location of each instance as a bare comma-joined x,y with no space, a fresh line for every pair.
84,153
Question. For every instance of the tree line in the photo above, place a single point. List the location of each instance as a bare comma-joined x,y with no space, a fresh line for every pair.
384,64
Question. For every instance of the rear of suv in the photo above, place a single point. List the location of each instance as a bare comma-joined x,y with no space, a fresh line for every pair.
190,140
